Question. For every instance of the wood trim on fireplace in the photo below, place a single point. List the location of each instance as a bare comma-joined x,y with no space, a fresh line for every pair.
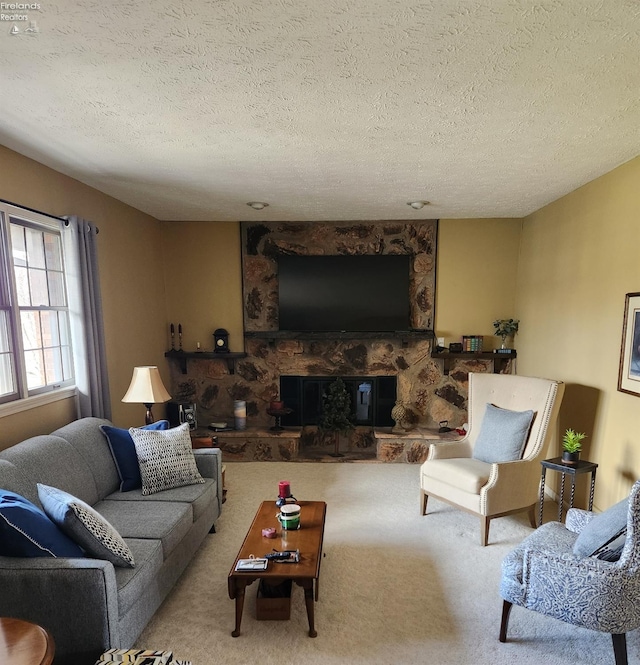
340,334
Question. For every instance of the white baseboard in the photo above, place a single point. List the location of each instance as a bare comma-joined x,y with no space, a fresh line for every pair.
554,496
551,494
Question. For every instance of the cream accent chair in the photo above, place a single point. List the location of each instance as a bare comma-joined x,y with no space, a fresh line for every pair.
451,474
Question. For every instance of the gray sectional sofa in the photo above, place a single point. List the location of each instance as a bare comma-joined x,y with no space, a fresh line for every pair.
88,604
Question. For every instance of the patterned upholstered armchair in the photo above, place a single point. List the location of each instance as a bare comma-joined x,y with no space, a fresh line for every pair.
544,574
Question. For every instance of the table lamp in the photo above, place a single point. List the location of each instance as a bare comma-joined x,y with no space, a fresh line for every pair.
146,388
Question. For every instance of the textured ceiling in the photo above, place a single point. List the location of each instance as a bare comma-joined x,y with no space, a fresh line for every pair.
325,109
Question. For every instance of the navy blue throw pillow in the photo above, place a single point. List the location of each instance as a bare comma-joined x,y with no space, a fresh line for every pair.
25,531
124,453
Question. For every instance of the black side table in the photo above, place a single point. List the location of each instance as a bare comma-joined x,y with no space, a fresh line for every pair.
583,466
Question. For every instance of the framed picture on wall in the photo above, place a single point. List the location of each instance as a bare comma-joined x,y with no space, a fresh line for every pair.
629,374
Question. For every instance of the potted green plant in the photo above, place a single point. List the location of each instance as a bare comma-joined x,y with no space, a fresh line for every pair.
336,414
571,446
506,328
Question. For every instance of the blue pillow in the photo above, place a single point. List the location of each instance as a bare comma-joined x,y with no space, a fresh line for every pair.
87,527
604,536
503,435
124,453
25,531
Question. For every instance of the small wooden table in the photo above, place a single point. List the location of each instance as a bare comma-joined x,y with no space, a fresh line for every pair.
573,470
25,643
305,573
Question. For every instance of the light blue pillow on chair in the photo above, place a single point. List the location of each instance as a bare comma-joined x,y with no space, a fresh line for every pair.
503,435
604,536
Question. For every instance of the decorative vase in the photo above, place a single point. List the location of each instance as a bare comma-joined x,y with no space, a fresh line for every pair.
570,458
504,341
399,413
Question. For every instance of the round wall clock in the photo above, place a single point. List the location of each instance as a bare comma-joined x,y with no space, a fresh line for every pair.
220,341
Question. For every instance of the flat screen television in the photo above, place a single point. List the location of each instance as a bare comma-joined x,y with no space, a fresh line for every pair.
368,293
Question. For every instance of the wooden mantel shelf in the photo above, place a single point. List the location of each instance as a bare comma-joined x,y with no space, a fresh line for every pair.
404,335
499,360
183,356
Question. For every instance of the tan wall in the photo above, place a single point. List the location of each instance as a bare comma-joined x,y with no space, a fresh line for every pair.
476,282
203,279
579,258
42,420
131,276
476,277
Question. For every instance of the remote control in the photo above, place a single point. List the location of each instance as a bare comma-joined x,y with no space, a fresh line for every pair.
277,555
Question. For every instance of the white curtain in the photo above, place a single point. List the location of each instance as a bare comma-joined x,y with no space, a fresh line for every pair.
85,308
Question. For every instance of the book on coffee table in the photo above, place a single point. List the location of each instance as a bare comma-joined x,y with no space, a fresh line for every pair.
250,565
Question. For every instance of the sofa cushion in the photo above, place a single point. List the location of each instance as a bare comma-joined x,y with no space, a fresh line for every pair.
599,535
124,453
166,458
132,582
158,520
14,480
89,443
53,461
503,435
198,496
25,531
85,526
464,473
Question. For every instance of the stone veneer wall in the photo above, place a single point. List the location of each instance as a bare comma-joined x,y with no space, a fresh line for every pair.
429,394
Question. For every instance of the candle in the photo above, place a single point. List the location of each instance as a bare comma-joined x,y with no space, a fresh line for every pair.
240,413
284,489
173,330
179,329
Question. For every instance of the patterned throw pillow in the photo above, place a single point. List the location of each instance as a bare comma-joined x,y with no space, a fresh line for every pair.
85,526
612,550
166,458
124,453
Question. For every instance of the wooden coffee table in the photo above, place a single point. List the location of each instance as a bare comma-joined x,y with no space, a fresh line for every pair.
25,643
305,573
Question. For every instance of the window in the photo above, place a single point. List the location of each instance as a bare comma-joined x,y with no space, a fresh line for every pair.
35,346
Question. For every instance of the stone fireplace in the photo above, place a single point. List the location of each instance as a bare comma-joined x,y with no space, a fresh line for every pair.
390,365
393,365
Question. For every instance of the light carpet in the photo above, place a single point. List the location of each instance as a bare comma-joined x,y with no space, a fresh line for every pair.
395,587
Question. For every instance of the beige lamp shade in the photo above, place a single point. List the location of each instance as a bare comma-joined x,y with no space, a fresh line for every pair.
146,388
